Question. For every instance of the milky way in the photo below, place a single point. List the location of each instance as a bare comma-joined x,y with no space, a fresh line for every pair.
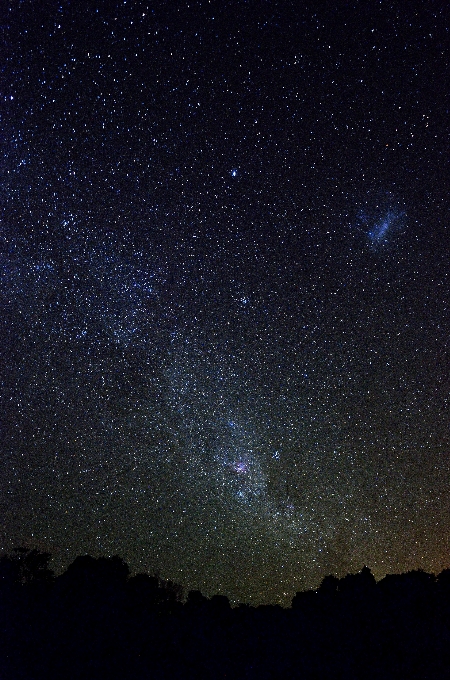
224,290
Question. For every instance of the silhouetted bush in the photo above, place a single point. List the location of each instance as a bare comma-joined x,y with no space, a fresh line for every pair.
97,621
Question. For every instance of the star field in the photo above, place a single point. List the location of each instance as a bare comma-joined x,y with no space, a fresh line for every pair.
224,314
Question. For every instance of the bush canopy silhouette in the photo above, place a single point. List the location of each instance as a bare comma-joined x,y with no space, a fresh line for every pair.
96,620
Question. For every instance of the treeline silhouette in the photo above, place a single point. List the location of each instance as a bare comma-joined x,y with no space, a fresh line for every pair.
97,621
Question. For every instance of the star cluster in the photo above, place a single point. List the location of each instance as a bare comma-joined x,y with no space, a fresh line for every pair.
224,289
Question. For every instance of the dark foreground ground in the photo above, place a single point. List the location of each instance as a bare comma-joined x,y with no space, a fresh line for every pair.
94,621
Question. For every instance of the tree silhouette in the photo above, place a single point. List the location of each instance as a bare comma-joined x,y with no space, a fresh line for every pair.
27,567
97,621
151,593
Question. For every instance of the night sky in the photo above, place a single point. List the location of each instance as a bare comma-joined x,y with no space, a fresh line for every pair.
224,294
